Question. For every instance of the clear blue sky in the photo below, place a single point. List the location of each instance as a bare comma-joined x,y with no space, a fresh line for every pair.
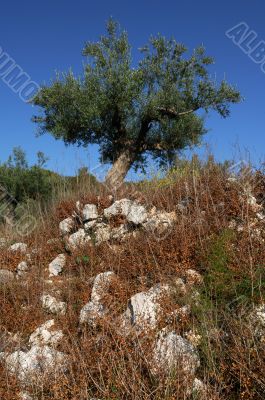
47,36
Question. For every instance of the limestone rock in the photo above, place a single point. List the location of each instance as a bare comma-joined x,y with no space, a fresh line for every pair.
95,309
193,277
6,276
25,396
79,239
120,232
36,363
144,307
21,247
3,243
57,265
89,212
160,222
22,268
66,226
119,207
172,352
52,305
46,335
102,233
134,212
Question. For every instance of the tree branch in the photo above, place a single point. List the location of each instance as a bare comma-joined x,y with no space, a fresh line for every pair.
172,113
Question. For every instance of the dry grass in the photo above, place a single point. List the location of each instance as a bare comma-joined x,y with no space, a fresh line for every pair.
107,365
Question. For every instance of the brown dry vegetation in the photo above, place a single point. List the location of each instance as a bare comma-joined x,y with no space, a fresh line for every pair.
106,365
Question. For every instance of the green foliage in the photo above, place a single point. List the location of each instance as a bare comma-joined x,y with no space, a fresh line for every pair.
147,109
80,260
32,187
225,286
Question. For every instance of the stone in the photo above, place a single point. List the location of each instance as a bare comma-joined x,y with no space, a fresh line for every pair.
25,396
91,313
3,243
119,232
193,337
21,247
66,226
57,265
89,225
259,313
6,276
46,335
193,277
22,268
137,214
134,212
101,285
52,305
102,233
180,286
172,352
119,207
198,389
94,309
183,204
89,212
36,363
79,239
160,222
144,307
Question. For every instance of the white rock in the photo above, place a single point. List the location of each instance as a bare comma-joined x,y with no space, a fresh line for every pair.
259,314
160,222
46,335
119,207
22,247
172,352
133,211
66,226
101,285
25,396
57,265
6,276
91,313
90,224
137,214
94,309
90,212
36,363
181,313
22,268
198,387
79,239
144,307
3,243
193,337
102,233
52,305
180,287
119,232
193,277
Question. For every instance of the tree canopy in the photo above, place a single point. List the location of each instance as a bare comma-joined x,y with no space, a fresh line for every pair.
133,112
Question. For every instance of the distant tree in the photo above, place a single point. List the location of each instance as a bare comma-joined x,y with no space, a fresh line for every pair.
17,159
41,159
133,112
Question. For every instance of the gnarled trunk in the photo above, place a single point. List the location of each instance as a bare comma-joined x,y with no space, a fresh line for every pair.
119,169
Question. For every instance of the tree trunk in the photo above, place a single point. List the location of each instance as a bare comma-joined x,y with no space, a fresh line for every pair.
119,169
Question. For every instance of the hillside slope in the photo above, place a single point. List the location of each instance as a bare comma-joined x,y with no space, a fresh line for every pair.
157,293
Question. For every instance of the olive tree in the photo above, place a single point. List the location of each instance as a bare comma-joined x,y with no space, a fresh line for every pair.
134,112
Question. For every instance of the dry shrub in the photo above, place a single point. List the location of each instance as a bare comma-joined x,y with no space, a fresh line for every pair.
108,365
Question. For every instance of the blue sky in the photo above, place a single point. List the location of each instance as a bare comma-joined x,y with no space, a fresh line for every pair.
43,37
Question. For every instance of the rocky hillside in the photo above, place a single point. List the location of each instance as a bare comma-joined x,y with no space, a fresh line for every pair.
155,294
